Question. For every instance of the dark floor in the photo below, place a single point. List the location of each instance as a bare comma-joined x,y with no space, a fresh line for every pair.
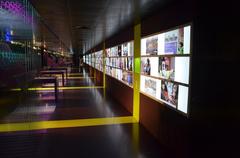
71,104
107,141
112,141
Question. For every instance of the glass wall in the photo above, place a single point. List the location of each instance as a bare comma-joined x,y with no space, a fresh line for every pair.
18,36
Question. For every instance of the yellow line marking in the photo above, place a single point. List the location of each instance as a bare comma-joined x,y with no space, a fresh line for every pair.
75,88
75,74
14,127
79,77
59,88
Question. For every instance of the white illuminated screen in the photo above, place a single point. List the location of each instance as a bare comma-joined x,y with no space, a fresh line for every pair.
183,99
172,47
143,46
187,36
182,69
168,42
161,44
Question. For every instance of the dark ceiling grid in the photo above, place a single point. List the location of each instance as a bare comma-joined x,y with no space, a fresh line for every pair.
84,16
69,21
52,13
83,24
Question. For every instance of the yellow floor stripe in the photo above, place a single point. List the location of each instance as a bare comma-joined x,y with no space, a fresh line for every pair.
60,88
14,127
80,77
75,88
75,74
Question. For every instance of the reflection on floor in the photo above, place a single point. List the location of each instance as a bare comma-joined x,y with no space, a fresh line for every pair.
112,141
72,104
128,140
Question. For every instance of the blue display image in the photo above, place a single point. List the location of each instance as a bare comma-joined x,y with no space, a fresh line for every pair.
7,35
171,48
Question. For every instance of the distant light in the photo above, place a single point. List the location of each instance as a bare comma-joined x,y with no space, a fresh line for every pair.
7,35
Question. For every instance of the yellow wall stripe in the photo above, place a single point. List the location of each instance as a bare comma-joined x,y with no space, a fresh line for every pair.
137,65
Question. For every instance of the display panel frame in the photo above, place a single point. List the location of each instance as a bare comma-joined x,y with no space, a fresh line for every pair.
112,61
190,24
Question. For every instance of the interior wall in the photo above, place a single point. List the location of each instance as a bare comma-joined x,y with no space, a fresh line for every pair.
213,123
171,128
99,78
122,93
211,127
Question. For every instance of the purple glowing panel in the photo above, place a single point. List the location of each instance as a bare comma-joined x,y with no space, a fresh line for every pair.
17,9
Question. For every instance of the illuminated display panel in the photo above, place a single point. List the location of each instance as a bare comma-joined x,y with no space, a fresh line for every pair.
84,59
119,62
92,60
98,60
165,67
88,59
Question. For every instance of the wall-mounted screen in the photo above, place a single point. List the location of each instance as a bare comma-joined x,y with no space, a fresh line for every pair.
119,62
170,68
168,43
127,49
98,60
165,67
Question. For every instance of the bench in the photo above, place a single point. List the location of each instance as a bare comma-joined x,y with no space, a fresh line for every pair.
45,80
53,72
27,80
60,68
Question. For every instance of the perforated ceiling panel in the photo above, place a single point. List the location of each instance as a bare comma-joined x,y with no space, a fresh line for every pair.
82,24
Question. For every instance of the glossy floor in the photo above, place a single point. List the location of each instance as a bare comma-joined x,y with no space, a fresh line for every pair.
89,102
111,141
128,140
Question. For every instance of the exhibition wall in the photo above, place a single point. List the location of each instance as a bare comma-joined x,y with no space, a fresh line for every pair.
211,105
165,67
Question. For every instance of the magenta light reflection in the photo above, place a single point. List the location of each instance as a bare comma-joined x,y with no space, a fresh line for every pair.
16,8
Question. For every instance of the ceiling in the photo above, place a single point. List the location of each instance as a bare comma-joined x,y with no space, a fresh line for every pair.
82,24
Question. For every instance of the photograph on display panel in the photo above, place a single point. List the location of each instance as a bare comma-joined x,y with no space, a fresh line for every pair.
150,87
119,51
129,63
152,46
125,49
146,66
114,51
169,92
118,74
127,77
131,45
108,52
123,63
174,41
167,67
